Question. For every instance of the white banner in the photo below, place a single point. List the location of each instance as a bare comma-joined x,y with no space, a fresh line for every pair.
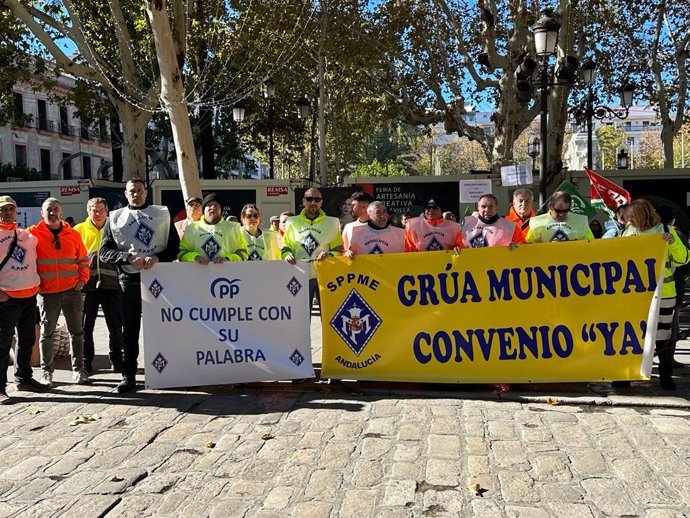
518,174
472,190
228,323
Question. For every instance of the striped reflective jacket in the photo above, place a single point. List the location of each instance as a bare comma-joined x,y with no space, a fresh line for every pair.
61,262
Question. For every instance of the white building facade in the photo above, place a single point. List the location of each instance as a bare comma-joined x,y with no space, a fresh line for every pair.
51,138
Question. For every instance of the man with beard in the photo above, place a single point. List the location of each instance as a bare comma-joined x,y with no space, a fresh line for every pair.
378,236
431,232
212,239
359,202
488,228
311,235
522,209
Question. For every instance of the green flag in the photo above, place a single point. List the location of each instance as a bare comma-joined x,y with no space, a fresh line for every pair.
468,212
579,205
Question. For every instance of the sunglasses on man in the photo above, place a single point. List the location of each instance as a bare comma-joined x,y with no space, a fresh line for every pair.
312,199
561,211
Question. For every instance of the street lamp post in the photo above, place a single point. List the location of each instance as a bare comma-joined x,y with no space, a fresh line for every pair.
303,105
588,110
545,39
533,149
269,92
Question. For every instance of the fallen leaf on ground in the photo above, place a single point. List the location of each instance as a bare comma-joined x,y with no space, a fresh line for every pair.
553,401
116,479
210,444
82,419
267,436
33,411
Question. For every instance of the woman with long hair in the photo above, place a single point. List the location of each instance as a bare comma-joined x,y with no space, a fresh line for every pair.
262,245
642,219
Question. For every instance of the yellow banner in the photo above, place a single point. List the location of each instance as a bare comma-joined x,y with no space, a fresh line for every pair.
568,311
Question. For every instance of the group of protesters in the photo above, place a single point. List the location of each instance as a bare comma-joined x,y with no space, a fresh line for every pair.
54,267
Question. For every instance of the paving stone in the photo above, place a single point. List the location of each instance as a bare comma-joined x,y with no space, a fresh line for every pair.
444,426
406,471
513,511
671,425
229,508
682,486
609,496
476,446
561,492
478,465
385,426
311,440
91,505
570,436
324,483
550,468
517,486
501,430
444,446
119,481
278,498
312,509
570,510
410,432
406,452
399,493
357,503
485,509
27,468
11,508
68,463
243,489
374,448
667,462
535,433
665,513
508,453
367,473
347,431
441,472
587,461
335,455
442,503
33,489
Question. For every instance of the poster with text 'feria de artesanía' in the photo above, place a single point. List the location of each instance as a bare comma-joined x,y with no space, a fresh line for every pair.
567,311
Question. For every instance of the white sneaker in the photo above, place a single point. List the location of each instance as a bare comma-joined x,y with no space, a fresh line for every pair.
81,378
46,379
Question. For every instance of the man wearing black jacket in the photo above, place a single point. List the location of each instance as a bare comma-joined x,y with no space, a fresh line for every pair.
135,238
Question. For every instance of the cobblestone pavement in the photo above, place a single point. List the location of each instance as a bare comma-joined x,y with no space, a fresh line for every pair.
350,449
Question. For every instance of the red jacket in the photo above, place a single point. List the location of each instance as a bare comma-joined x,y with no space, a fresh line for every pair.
61,263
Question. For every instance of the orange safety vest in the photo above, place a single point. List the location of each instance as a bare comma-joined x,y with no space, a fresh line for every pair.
523,225
60,269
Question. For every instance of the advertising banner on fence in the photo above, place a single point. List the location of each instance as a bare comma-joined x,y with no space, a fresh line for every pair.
226,323
572,311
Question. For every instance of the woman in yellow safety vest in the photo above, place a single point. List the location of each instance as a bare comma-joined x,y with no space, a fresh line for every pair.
642,219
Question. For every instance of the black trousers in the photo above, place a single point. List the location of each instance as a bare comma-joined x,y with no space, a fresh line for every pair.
19,314
110,301
131,323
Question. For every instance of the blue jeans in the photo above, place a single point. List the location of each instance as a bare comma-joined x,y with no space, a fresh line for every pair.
50,305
